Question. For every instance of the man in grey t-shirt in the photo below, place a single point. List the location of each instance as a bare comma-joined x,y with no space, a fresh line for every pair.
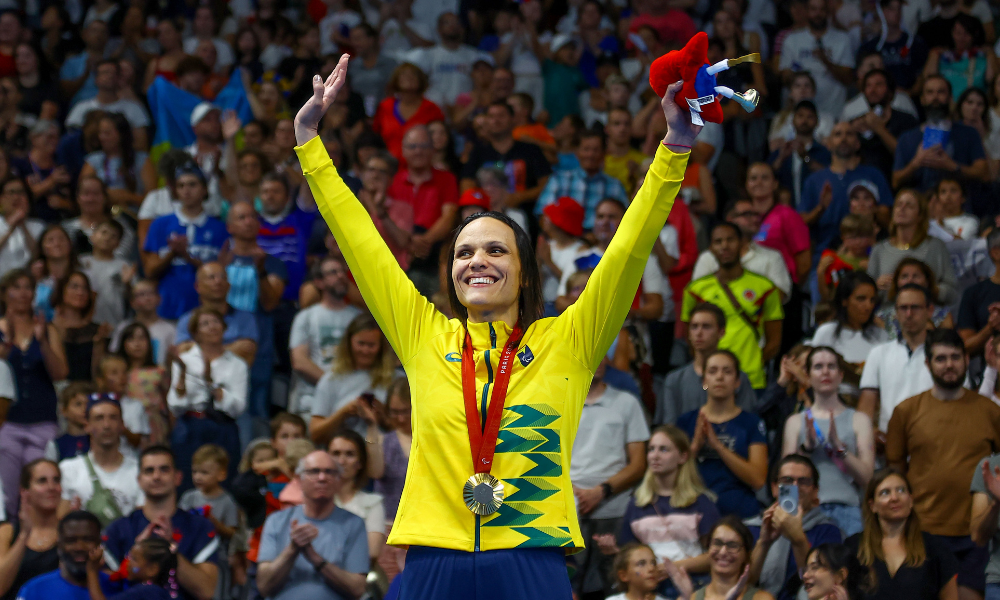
316,550
986,517
683,389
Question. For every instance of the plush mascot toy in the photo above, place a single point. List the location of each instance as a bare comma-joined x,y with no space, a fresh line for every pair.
698,96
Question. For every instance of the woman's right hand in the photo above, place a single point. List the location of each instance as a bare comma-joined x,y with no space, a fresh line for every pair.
680,578
324,93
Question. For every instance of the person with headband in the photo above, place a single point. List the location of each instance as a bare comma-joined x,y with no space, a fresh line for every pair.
498,382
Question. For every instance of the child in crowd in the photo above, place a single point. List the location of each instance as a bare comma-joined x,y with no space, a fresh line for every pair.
562,225
260,469
635,570
150,568
147,382
209,466
294,452
948,214
144,298
857,235
112,378
73,407
109,274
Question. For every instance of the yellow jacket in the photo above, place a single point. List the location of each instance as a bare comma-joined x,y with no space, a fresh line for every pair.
555,364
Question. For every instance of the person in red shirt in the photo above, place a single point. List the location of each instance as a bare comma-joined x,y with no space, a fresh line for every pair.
404,108
433,193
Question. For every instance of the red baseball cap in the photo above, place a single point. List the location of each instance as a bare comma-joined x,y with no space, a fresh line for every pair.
474,197
566,214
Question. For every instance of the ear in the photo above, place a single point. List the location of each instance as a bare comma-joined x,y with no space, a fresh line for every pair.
841,575
178,477
684,457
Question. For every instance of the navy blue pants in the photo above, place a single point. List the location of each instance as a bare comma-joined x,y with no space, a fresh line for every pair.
516,574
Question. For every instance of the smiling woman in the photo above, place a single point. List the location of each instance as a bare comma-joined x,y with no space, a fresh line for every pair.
488,488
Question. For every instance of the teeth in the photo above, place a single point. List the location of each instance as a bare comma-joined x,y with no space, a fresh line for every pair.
475,280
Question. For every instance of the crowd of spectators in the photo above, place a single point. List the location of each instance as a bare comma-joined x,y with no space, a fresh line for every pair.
195,401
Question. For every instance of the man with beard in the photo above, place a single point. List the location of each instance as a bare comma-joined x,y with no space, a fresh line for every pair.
79,534
937,439
197,544
961,154
802,155
316,332
751,303
877,115
826,53
825,200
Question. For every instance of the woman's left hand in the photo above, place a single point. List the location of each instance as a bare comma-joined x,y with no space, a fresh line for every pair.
838,593
680,130
680,578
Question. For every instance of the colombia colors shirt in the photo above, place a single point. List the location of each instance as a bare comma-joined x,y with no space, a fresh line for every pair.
758,299
554,365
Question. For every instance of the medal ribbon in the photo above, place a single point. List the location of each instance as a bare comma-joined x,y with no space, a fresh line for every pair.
483,440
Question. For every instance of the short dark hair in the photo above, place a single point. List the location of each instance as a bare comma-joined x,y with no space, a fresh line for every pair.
733,522
192,64
610,200
79,516
592,133
712,309
278,177
916,288
117,227
283,418
942,337
797,459
502,104
888,78
524,98
367,29
106,61
158,449
933,77
727,225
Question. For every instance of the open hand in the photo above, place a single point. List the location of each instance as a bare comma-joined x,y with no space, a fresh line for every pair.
741,585
680,578
607,544
324,93
95,558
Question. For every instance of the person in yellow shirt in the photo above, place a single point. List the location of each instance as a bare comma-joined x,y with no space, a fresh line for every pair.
488,509
622,161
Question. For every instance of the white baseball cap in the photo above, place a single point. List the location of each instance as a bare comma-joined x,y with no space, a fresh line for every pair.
201,111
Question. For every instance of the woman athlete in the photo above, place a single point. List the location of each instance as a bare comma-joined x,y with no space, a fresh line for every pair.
488,510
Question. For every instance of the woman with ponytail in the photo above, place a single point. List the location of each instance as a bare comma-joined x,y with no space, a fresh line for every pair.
671,510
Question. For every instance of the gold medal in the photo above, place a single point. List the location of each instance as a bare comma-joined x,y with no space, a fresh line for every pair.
483,494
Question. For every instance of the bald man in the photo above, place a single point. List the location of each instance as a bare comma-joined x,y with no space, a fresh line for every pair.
241,333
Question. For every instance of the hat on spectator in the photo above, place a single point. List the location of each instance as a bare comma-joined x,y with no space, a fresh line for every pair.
201,111
95,399
866,184
189,168
560,40
474,197
566,214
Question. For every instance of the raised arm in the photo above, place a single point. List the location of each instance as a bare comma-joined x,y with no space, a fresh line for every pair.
592,323
403,314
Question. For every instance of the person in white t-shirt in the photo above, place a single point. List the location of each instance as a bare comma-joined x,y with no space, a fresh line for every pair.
19,234
946,208
106,76
449,63
826,53
203,28
115,471
336,27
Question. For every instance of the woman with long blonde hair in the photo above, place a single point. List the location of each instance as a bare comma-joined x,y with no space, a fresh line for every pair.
908,236
353,393
903,561
671,510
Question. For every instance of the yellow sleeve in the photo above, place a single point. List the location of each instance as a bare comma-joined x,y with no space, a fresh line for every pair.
592,323
405,316
773,311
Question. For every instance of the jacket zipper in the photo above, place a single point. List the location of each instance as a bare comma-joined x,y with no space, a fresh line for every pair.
484,406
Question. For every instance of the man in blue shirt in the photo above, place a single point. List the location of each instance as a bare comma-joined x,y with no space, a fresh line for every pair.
79,534
824,195
588,184
960,155
178,244
241,334
197,544
78,71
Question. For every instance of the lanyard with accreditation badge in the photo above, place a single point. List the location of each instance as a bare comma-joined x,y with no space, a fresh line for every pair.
483,493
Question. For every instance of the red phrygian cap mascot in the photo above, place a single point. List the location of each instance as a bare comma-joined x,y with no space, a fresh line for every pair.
690,64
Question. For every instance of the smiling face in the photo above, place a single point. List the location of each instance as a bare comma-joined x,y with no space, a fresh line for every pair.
90,197
486,270
55,244
726,552
346,455
819,579
44,489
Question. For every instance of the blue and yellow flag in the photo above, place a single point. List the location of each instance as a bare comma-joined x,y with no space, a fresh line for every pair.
171,110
